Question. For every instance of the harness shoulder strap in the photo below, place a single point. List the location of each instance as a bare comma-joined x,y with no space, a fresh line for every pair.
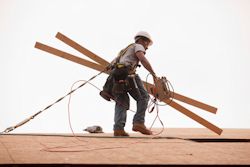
122,53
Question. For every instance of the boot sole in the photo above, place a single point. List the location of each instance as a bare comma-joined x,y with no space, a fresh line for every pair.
142,132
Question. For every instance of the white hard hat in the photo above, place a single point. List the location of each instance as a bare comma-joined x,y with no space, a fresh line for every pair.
144,34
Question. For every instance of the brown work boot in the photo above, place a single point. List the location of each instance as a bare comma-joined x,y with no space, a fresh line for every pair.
120,133
141,128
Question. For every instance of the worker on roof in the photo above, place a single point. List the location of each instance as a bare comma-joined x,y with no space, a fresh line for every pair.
123,80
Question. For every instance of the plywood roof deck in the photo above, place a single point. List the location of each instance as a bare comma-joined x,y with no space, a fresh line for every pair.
174,146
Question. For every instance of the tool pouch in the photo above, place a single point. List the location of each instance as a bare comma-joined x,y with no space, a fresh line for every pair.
120,74
119,87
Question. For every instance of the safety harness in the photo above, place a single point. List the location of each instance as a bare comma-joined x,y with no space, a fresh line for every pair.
121,72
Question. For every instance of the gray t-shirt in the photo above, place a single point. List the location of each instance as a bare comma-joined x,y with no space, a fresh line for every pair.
129,58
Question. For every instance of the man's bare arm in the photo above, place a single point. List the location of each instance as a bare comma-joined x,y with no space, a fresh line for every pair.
145,62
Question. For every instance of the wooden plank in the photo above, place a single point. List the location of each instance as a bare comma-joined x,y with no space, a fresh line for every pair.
186,112
68,56
187,100
195,103
195,117
81,49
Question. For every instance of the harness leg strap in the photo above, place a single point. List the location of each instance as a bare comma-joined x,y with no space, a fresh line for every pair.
135,84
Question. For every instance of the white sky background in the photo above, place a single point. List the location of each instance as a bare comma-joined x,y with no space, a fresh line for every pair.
202,47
